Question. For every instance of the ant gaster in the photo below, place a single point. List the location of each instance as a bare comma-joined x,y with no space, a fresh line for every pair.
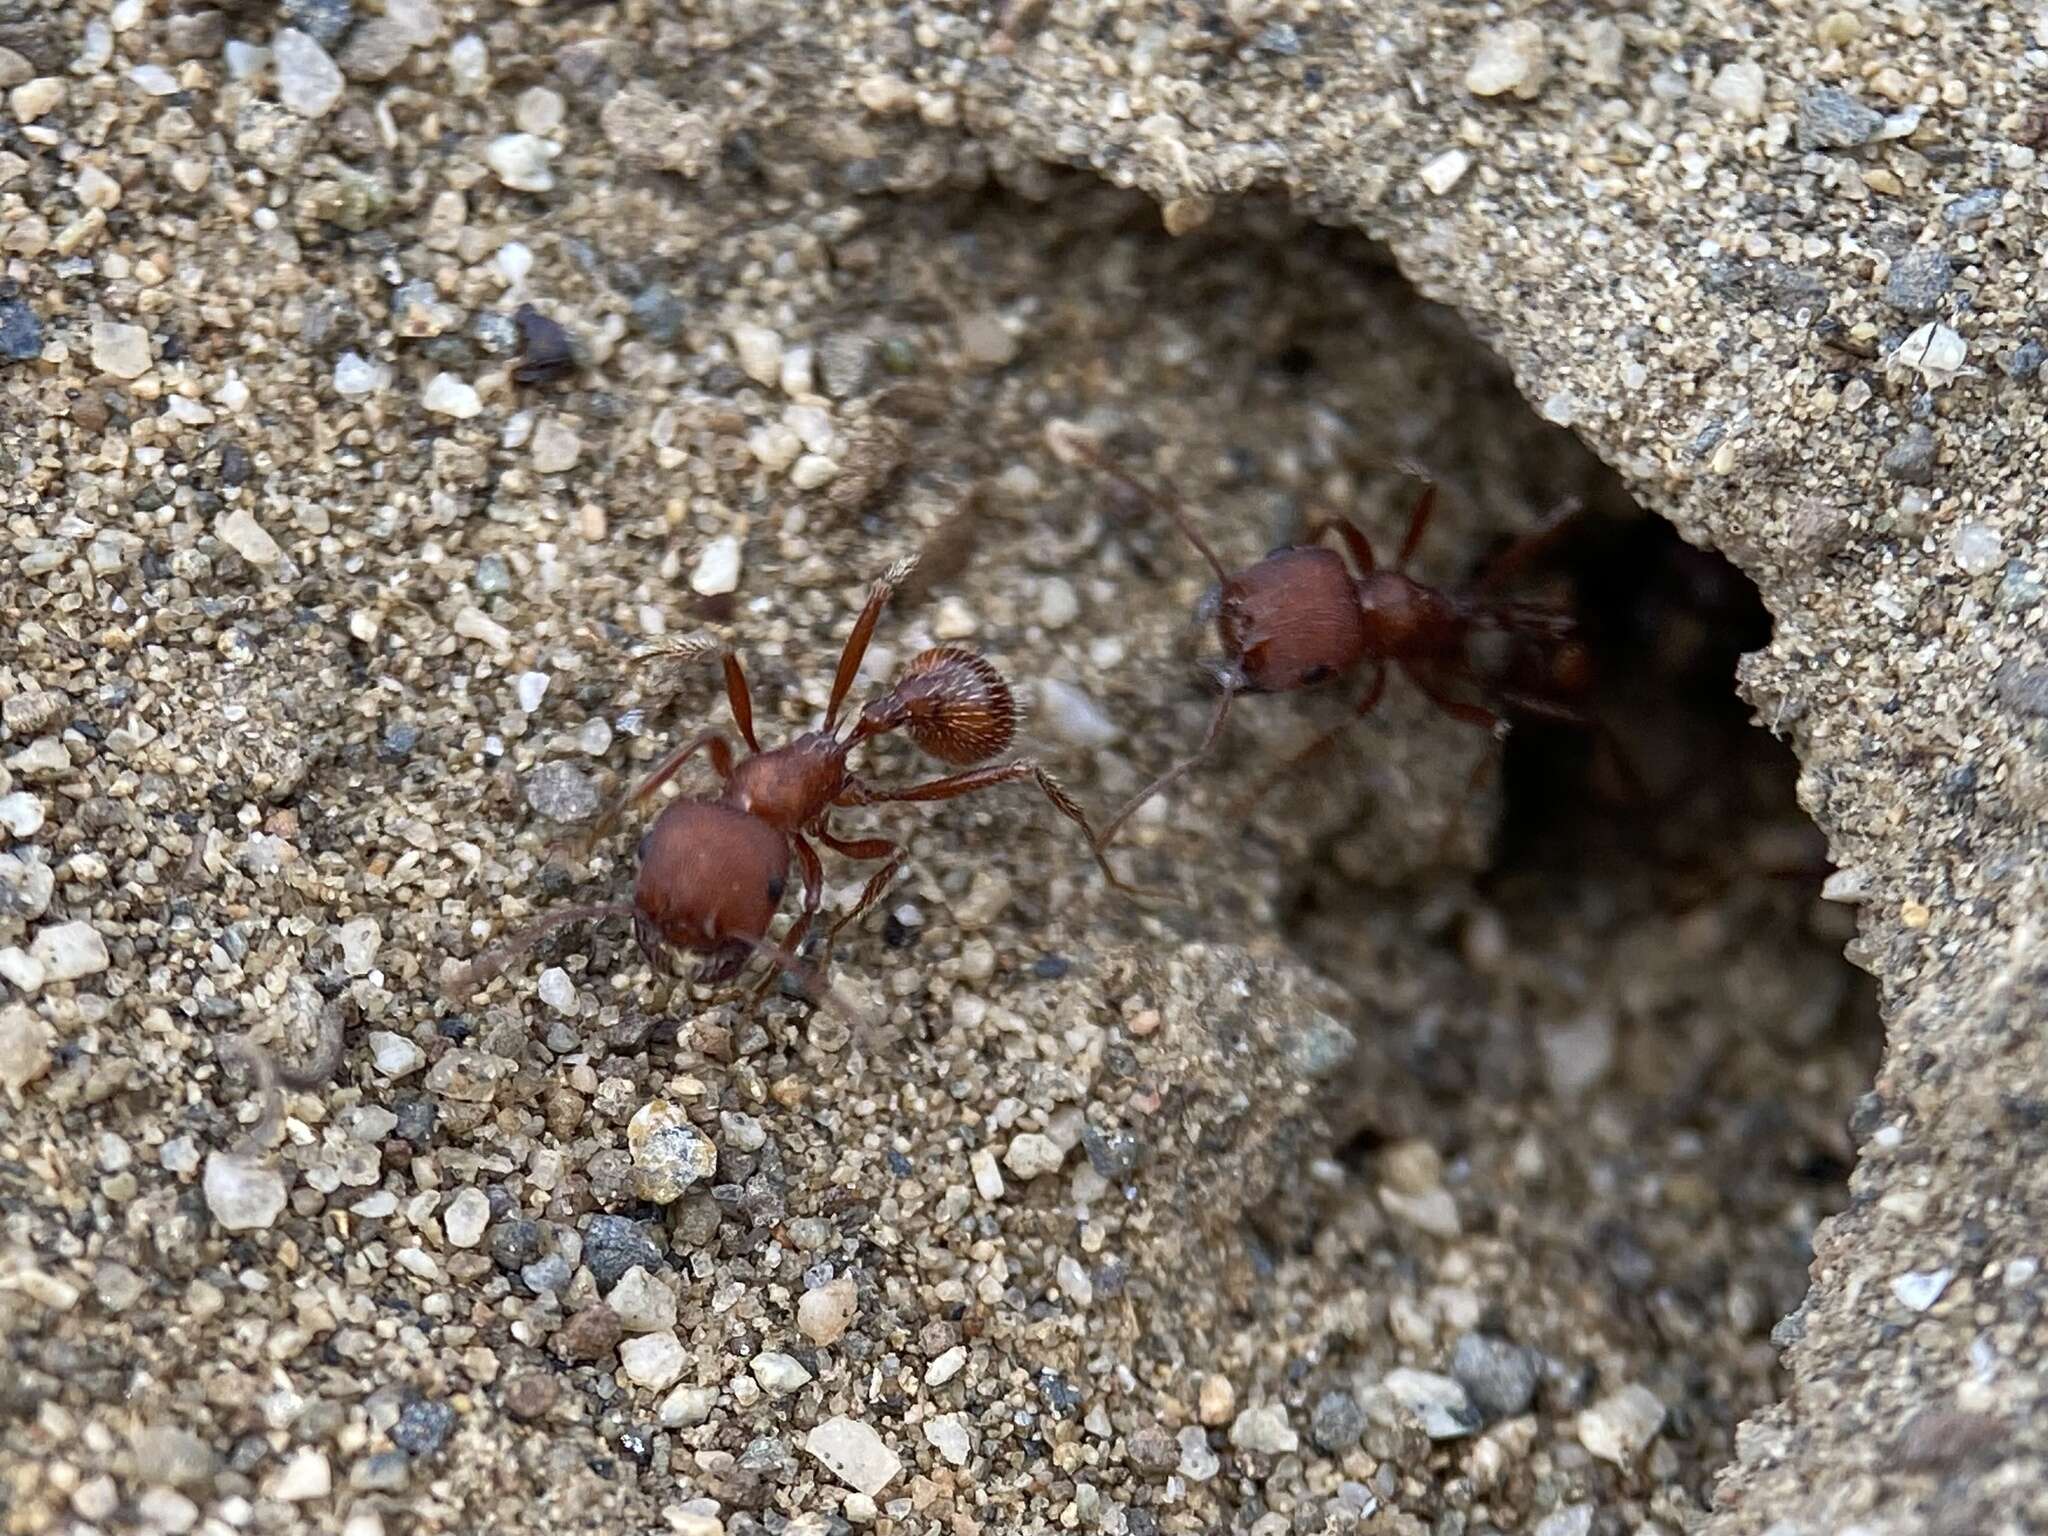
713,870
1301,616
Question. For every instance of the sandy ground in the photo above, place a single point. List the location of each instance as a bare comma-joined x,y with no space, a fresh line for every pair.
336,606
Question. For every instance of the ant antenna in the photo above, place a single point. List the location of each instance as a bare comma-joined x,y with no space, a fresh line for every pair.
817,989
1071,444
466,981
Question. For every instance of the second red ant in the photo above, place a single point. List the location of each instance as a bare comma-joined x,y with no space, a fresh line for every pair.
713,870
1301,616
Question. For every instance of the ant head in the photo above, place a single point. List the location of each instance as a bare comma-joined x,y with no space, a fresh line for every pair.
1292,620
709,874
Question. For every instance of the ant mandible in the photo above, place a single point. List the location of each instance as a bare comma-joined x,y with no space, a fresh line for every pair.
713,870
1300,617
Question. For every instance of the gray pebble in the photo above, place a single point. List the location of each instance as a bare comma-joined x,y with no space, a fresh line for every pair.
846,362
2019,588
657,314
1971,209
493,576
2022,688
1830,118
546,1276
1498,1376
2024,361
322,20
613,1244
1911,459
1336,1422
422,1427
1919,281
21,333
1113,1154
561,791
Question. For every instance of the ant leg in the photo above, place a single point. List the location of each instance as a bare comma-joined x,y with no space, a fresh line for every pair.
1315,748
1070,443
1353,537
721,759
864,631
1538,541
878,882
1418,520
1172,775
814,899
1458,709
740,700
974,780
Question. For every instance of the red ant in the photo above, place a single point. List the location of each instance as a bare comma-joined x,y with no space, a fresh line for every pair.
1300,617
713,870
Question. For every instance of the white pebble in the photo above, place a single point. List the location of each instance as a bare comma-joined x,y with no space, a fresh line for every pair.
1264,1429
239,530
521,161
824,1314
308,82
1197,1462
775,446
304,1478
357,378
643,1302
653,1360
244,1194
1618,1427
360,938
988,1178
1032,1154
468,1214
67,951
854,1453
1058,605
986,900
946,1366
121,350
153,80
555,447
1977,549
1738,89
1934,353
1919,1289
779,1374
759,351
469,65
687,1407
515,262
529,688
21,814
1071,716
718,567
24,1051
1437,1403
949,1436
1074,1282
393,1055
812,471
1511,57
1445,171
22,970
557,990
595,738
538,110
446,395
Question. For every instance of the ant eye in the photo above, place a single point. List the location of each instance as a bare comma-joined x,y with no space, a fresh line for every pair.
1316,674
775,888
646,838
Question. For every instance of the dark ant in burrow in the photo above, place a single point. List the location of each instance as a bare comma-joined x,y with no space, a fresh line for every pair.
713,870
1301,617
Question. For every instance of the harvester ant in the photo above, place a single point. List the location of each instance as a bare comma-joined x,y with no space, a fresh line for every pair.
713,870
1301,616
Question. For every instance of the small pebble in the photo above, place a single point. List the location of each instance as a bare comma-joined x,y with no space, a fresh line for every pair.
590,1334
120,350
1499,1377
1031,1154
244,1194
561,791
1513,57
824,1314
309,83
717,570
357,378
1973,209
1912,458
557,990
986,342
469,65
468,1214
643,1302
987,898
1074,1282
1336,1423
1978,550
687,1407
1198,1463
657,314
759,351
1216,1400
307,1476
522,161
1072,716
988,1178
322,20
1572,1520
239,530
653,1360
852,1452
1934,353
1919,1289
21,814
360,939
447,395
1437,1403
69,951
1738,89
948,1435
1830,118
1618,1427
1265,1430
669,1152
1445,171
546,349
1919,281
945,1366
21,332
779,1374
